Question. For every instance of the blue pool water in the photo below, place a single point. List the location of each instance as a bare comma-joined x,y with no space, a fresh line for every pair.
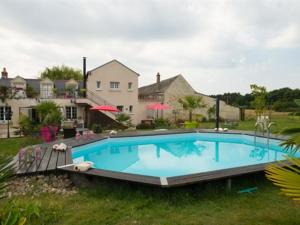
178,154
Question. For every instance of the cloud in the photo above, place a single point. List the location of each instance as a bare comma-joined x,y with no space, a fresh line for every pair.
218,45
288,38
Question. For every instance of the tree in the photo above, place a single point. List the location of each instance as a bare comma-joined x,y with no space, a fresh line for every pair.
287,175
190,103
124,119
30,92
260,98
4,93
49,113
211,112
61,73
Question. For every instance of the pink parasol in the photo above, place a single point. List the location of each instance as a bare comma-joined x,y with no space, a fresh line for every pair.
108,108
158,106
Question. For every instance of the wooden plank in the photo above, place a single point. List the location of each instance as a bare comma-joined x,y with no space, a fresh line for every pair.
52,160
118,175
69,159
35,164
61,160
44,163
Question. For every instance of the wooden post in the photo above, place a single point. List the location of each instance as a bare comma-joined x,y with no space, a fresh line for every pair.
228,185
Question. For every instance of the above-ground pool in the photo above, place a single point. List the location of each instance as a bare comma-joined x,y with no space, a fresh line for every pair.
179,155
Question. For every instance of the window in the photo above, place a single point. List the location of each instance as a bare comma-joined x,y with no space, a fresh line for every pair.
33,115
129,85
120,108
130,108
5,113
71,112
98,84
114,85
46,91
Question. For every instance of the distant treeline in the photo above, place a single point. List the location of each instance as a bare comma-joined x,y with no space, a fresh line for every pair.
282,100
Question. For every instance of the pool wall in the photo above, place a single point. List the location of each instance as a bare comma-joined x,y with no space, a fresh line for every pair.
176,180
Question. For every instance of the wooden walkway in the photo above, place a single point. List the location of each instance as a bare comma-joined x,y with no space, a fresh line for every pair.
50,160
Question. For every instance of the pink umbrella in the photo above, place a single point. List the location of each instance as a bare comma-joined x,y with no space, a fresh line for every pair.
108,108
158,106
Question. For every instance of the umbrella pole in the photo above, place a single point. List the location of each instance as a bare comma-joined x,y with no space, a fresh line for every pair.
157,113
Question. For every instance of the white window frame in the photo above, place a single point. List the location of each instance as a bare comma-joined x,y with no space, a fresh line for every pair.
73,112
3,113
114,85
130,109
120,106
130,84
47,90
98,87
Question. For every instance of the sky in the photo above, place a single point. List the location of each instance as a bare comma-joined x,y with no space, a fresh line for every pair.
218,46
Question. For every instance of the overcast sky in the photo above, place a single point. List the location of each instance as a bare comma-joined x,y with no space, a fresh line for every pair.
218,46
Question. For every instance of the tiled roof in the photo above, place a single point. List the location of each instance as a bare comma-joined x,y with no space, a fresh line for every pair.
154,88
35,83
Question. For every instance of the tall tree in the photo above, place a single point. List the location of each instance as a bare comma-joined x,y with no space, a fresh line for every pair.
61,73
190,103
260,98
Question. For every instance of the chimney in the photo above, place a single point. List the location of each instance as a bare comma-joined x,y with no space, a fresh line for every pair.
4,74
158,78
84,75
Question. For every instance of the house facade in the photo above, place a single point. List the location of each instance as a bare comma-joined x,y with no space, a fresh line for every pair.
117,85
113,83
169,91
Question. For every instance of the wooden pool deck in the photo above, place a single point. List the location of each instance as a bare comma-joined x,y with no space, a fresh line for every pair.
61,161
50,160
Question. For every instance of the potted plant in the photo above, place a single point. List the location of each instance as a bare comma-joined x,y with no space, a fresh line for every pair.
50,117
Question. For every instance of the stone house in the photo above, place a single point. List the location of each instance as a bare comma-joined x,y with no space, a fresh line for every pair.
112,83
170,90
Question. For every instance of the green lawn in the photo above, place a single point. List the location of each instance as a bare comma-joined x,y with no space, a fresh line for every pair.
282,122
126,204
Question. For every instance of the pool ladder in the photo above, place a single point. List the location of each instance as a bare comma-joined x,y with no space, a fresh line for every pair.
268,129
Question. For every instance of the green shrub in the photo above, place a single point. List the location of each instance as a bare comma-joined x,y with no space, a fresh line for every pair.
15,214
49,113
124,119
191,125
162,123
97,128
30,92
145,126
26,125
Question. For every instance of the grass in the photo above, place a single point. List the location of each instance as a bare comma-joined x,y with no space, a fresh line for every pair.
11,146
125,204
282,122
119,203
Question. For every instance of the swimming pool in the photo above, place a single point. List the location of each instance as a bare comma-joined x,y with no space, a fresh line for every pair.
181,155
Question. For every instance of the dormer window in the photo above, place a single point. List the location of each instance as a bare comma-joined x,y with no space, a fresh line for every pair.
46,88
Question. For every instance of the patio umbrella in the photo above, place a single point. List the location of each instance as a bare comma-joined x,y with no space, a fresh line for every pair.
158,106
106,108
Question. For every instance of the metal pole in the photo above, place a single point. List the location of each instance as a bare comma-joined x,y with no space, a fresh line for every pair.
84,76
217,112
7,112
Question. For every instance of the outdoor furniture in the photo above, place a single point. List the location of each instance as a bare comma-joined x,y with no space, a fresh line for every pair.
69,132
231,123
149,121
